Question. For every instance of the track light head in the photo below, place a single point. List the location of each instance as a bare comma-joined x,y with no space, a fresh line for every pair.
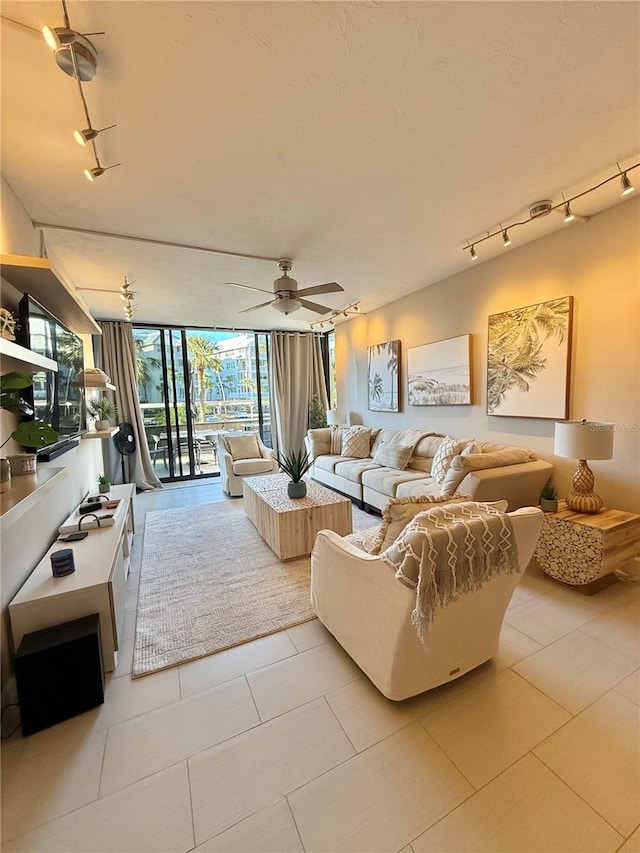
97,171
506,242
474,254
625,183
89,134
57,37
568,215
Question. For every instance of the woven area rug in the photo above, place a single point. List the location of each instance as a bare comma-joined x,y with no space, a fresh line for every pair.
209,582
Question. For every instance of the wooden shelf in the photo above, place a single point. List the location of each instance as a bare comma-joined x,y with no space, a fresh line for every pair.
35,276
105,433
21,359
26,490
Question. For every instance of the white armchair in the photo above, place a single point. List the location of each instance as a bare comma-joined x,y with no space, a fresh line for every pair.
242,454
358,598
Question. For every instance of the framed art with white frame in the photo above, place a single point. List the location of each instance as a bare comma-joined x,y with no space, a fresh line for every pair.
439,373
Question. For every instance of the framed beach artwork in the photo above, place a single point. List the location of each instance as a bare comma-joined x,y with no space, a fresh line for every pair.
528,361
440,373
382,377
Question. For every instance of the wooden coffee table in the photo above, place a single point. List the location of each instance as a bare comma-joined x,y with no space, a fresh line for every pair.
289,525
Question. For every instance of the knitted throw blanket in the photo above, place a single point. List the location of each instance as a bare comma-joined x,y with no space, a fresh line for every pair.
448,551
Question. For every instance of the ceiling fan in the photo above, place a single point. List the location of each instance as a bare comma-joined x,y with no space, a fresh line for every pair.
286,293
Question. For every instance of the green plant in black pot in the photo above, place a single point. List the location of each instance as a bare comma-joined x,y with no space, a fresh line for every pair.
295,465
549,497
31,433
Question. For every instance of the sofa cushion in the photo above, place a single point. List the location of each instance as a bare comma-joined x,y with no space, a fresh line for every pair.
353,469
258,465
328,463
392,455
380,435
356,442
399,512
425,486
387,480
424,451
243,446
449,447
363,539
455,475
319,441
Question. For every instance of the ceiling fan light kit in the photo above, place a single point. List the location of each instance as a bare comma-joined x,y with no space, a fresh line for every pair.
545,206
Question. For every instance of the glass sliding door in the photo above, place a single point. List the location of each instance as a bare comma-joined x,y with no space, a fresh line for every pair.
193,383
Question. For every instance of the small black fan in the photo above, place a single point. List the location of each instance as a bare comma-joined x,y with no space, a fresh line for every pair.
125,443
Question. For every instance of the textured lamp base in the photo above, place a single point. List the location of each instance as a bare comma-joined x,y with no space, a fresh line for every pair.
582,498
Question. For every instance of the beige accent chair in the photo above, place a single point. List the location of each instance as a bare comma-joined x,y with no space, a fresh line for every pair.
242,454
359,600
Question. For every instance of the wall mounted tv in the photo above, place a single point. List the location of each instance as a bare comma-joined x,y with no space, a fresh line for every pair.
57,398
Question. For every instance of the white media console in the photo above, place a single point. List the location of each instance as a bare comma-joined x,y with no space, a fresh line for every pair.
98,585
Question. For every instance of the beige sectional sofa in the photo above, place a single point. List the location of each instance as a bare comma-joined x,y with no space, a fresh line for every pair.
434,465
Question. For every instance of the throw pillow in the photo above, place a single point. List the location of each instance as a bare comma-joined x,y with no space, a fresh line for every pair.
243,447
456,473
449,447
356,442
336,440
393,455
400,511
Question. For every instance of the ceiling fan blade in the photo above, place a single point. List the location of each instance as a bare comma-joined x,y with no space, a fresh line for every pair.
248,287
313,306
262,305
329,287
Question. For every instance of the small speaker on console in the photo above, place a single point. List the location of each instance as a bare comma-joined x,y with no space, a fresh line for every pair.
62,562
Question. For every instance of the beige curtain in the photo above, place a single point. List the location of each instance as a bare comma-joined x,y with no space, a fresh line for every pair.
296,373
119,362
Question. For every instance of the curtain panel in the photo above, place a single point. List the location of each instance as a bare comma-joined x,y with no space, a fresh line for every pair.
119,362
296,373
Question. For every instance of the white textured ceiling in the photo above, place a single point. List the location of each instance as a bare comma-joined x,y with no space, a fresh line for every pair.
367,141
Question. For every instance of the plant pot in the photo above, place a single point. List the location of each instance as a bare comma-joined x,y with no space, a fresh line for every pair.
297,490
5,475
104,488
102,426
548,504
24,463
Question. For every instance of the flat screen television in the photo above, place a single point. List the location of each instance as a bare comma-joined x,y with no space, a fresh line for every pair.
57,398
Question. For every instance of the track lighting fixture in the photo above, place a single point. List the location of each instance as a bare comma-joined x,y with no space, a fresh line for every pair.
625,183
542,208
92,174
78,58
350,310
88,135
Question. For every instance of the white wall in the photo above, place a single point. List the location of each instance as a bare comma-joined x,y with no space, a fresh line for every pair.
24,543
599,264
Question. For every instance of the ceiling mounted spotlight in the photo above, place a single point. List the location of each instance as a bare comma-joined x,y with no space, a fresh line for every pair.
97,171
72,49
88,135
506,242
625,183
57,37
568,215
473,253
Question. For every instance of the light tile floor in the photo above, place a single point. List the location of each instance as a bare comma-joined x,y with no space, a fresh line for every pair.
283,745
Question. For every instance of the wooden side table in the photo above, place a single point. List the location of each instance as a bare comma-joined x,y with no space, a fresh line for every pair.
584,550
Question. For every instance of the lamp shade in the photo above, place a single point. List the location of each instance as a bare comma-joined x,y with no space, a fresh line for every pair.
583,440
334,417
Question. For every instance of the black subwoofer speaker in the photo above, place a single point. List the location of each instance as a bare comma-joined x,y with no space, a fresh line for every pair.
59,673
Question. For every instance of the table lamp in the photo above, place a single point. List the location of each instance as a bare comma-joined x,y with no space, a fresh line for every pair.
334,417
583,440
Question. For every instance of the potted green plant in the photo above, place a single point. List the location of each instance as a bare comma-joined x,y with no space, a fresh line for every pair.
549,498
104,485
31,433
102,409
295,465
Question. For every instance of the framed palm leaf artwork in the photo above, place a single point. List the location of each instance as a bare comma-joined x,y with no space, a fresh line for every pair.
382,377
528,360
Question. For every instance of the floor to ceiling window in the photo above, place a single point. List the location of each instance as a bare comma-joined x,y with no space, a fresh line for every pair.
193,383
